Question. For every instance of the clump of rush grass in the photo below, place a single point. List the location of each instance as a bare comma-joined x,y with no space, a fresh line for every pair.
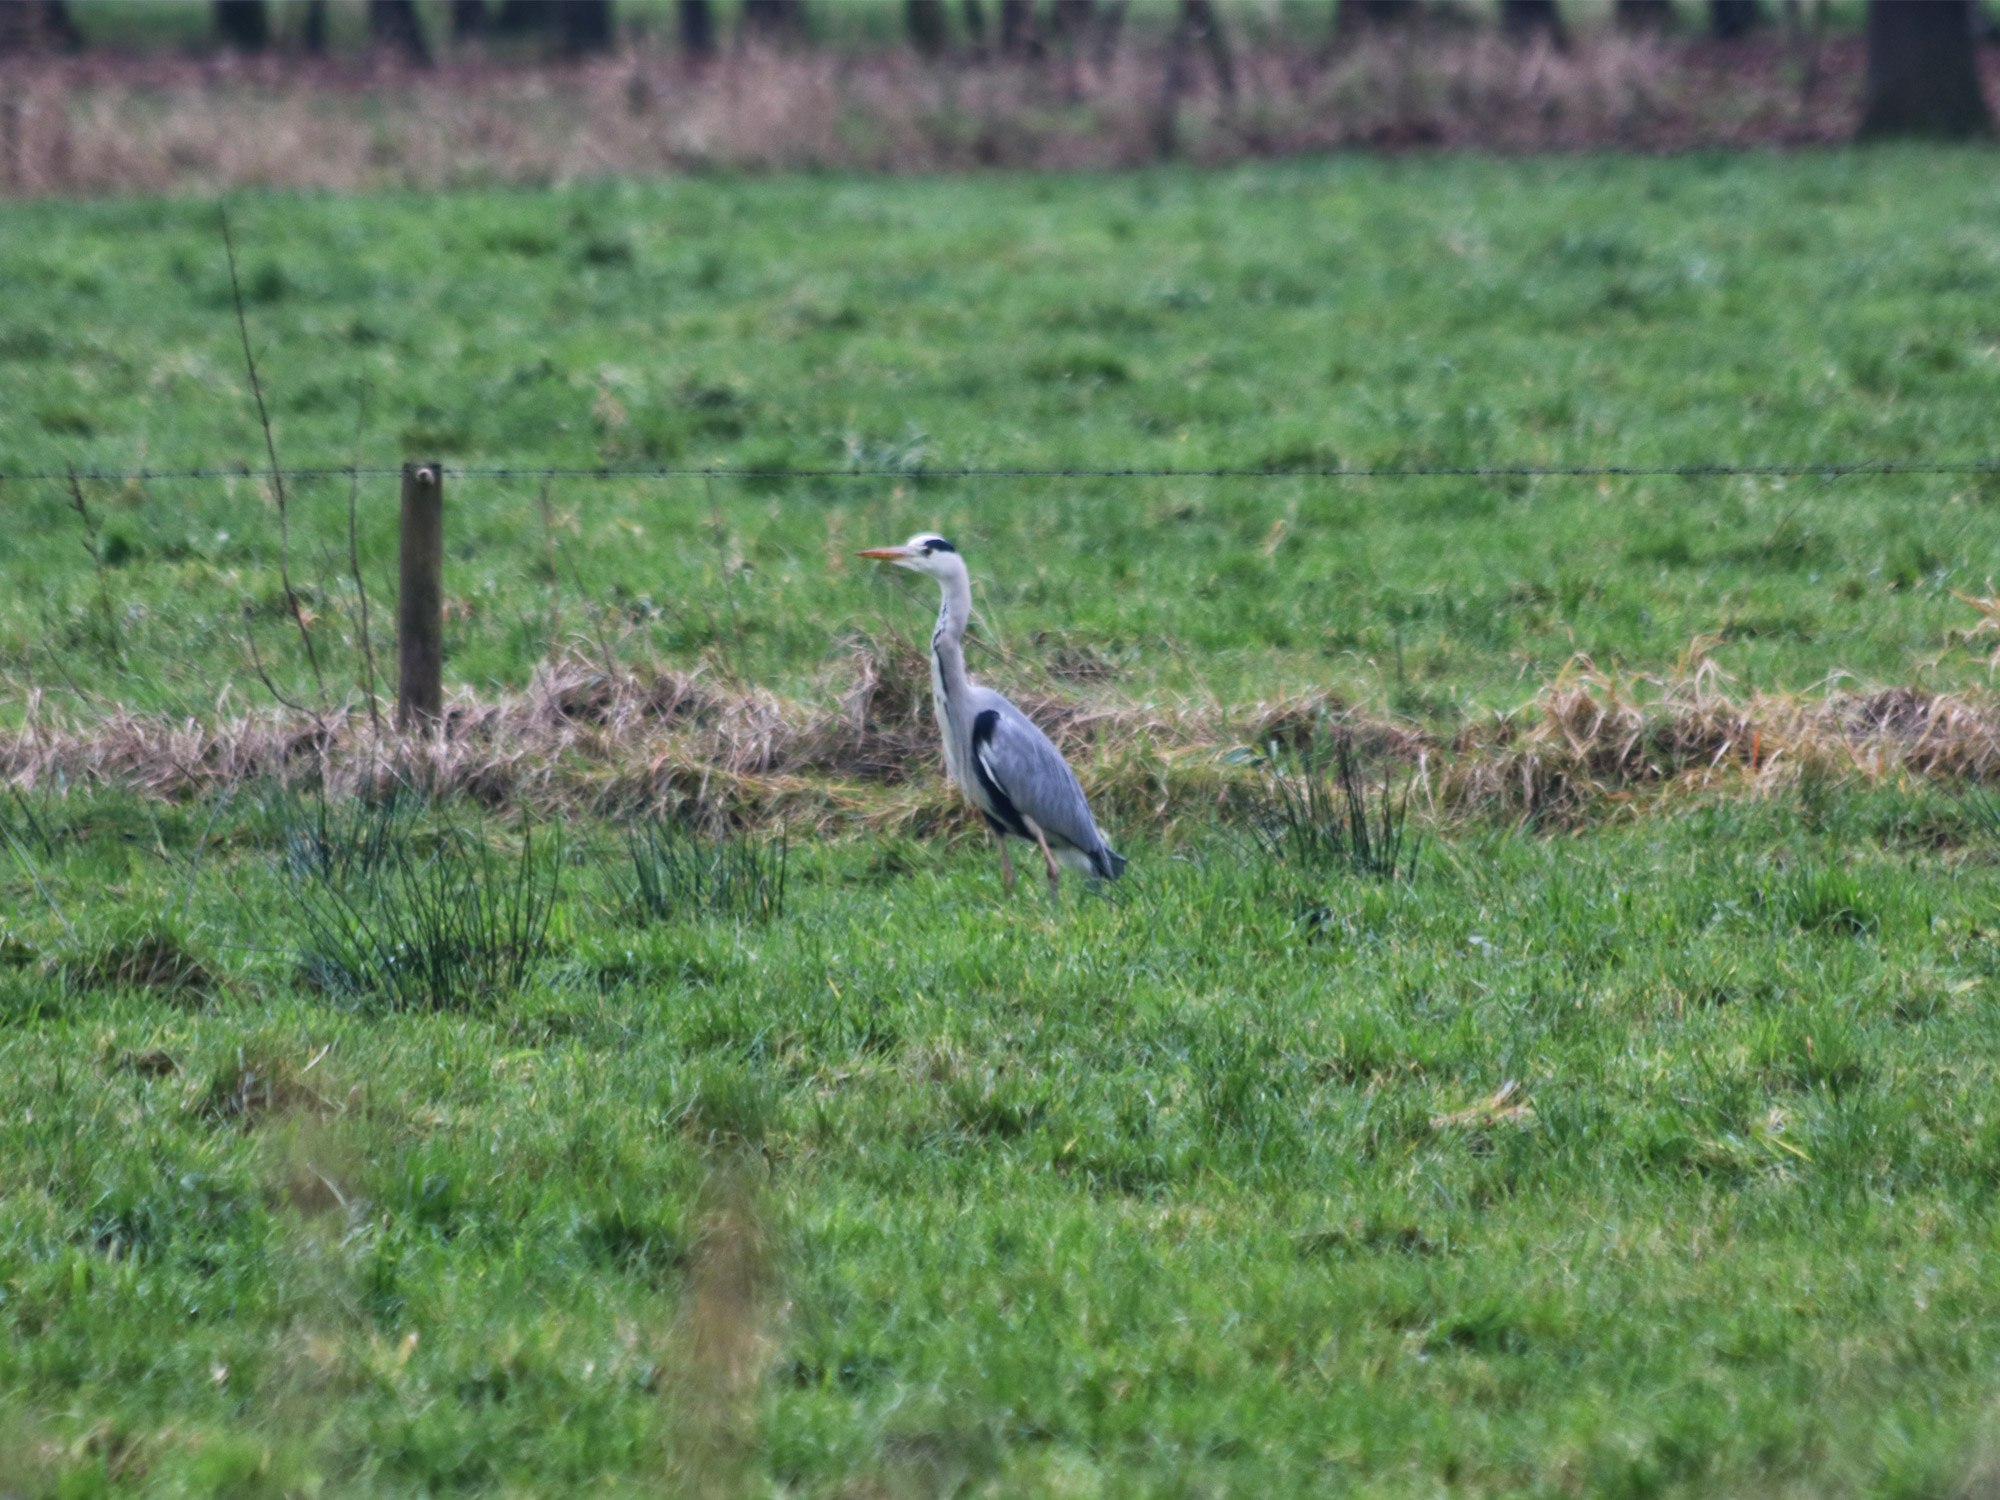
1320,812
343,839
1983,811
679,873
413,915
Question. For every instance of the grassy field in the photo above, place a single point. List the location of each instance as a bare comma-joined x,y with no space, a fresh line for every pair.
1659,1161
1456,311
418,1152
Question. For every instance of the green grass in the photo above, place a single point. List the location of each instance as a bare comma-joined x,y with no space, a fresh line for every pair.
1215,1183
1652,1158
1366,312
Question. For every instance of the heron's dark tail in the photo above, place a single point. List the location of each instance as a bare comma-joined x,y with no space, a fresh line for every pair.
1104,864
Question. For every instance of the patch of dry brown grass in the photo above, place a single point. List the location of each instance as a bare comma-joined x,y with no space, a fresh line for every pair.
1590,739
101,123
581,738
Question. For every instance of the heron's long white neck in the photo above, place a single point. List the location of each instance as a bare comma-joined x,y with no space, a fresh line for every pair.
951,689
948,640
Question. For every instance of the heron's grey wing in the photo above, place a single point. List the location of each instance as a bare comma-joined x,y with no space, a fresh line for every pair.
1027,774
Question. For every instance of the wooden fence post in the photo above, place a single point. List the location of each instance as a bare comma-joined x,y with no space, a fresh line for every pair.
420,599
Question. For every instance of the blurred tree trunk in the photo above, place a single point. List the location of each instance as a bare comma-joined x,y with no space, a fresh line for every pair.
394,24
1923,70
242,24
1110,26
1525,19
1732,20
468,20
20,31
1205,26
28,27
1017,28
975,24
1354,16
587,26
1805,34
1644,15
1198,23
312,29
520,17
1167,123
697,24
59,26
1070,21
774,20
924,20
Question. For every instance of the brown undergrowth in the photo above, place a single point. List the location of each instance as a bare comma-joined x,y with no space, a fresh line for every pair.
623,742
101,122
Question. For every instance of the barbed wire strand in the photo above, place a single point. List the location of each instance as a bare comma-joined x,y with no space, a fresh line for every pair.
1831,470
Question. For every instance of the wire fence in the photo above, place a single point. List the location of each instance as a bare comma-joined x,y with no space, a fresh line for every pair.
1835,469
419,595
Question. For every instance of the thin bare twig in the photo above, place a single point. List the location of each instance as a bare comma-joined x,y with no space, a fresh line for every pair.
277,471
555,579
594,612
728,590
91,529
257,662
62,667
354,565
1784,521
603,642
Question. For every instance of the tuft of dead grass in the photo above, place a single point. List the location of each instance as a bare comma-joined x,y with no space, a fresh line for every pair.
863,752
886,730
99,122
1591,737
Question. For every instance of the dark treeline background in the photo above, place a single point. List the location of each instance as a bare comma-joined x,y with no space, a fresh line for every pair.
1922,73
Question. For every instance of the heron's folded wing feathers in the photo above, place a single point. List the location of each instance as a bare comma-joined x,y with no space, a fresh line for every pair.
1020,760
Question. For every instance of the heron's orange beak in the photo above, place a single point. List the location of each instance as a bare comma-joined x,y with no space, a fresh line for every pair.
885,554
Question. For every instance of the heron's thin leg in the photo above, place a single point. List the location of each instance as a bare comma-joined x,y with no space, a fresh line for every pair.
1006,867
1047,858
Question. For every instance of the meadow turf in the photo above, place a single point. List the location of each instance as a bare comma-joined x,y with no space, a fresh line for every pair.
1654,1161
1749,308
1653,1156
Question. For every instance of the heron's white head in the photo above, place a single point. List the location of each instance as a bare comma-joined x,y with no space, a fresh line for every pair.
926,552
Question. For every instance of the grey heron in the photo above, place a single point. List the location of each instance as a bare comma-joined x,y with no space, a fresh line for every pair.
1005,766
